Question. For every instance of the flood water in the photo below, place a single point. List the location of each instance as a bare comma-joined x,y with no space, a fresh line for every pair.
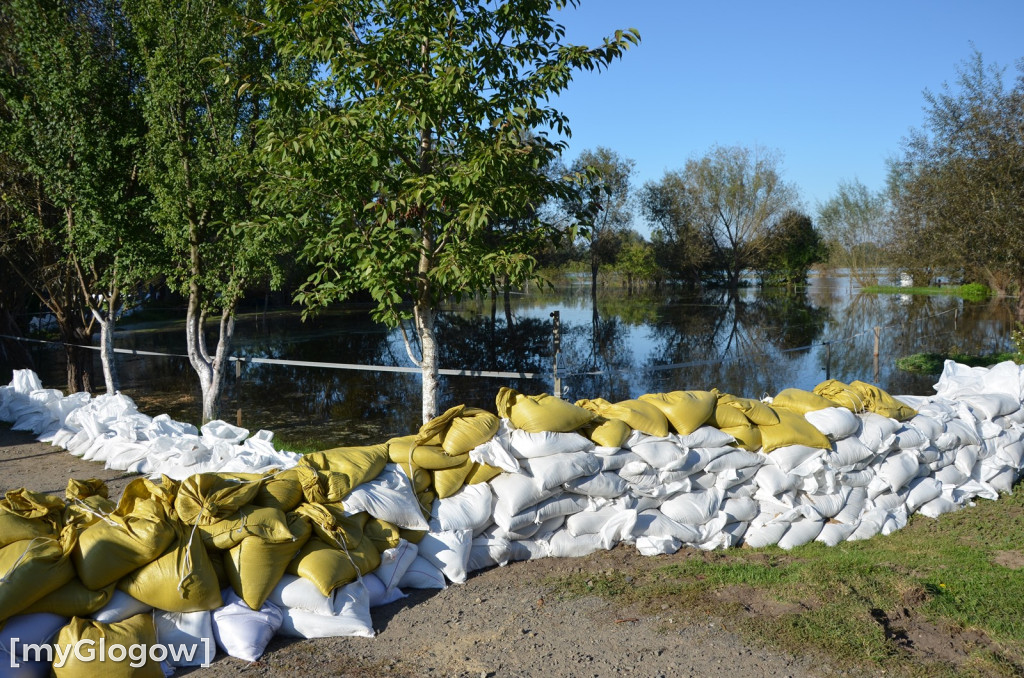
752,345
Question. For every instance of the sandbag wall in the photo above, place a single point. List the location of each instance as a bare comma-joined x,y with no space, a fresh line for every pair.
306,549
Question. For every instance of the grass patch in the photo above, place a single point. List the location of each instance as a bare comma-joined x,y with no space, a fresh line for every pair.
969,292
870,604
931,363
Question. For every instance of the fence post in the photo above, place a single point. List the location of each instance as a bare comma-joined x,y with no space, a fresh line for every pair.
556,343
238,395
828,360
878,332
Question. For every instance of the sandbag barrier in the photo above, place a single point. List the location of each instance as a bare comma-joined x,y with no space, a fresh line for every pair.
230,542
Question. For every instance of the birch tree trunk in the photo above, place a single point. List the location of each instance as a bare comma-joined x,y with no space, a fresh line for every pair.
209,367
107,358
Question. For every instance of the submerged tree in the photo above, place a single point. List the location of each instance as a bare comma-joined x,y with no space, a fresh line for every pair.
794,245
423,123
681,248
957,190
856,229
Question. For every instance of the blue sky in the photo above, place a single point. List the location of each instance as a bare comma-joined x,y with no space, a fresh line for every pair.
833,86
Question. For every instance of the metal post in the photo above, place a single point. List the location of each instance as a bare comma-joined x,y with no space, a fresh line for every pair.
556,343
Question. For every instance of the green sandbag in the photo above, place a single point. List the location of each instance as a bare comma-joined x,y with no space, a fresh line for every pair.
482,473
536,414
330,566
450,480
841,395
72,600
800,401
685,410
639,415
880,402
328,476
255,566
607,432
205,498
29,570
268,524
459,430
383,534
792,429
89,636
281,490
25,514
757,412
183,579
748,436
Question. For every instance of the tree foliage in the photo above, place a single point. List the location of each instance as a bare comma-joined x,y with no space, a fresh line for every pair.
957,189
794,245
856,229
681,248
423,124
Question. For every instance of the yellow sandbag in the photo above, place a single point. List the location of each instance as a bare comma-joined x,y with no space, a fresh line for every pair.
841,395
90,487
792,429
25,514
136,635
136,533
383,534
412,536
757,412
330,566
330,475
637,414
727,416
83,512
254,566
72,600
459,430
607,432
183,579
448,481
685,410
281,490
429,457
800,401
205,498
481,473
539,413
263,522
748,437
880,402
29,570
217,559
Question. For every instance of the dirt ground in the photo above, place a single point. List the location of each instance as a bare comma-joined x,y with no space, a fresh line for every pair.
505,621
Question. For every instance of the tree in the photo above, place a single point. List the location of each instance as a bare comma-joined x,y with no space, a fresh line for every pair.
735,194
681,248
794,245
636,261
423,123
69,133
605,205
201,104
957,189
856,228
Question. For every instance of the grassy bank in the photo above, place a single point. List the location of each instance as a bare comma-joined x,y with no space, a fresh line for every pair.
969,292
931,363
938,598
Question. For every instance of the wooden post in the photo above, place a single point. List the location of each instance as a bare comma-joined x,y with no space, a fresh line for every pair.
878,332
238,376
556,344
828,360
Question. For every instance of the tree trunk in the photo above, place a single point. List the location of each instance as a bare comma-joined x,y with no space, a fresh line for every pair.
424,318
209,368
107,356
79,358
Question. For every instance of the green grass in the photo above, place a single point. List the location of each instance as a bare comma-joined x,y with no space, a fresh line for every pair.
847,601
931,363
970,292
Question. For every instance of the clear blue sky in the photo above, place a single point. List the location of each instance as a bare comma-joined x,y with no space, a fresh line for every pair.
833,85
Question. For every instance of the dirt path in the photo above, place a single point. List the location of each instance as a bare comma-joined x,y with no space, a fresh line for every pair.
502,622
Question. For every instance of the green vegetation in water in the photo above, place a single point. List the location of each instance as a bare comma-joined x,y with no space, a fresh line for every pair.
857,603
931,363
969,292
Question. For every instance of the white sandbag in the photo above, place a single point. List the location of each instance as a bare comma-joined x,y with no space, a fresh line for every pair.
736,459
659,453
495,453
121,606
615,461
800,532
220,431
298,593
1004,479
467,509
243,632
922,491
772,480
525,445
967,458
835,422
394,562
1011,453
527,549
24,630
854,507
991,405
653,545
448,551
958,433
789,457
888,500
378,594
871,522
909,438
898,469
351,616
422,575
833,534
488,552
647,482
514,492
654,523
389,497
553,470
693,508
564,545
876,431
706,436
760,534
739,509
1008,420
591,520
938,506
860,478
192,632
730,479
605,484
950,476
560,506
930,427
829,505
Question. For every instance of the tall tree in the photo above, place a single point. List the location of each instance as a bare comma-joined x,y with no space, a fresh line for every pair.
854,223
957,189
735,194
424,122
69,134
202,71
605,205
794,245
681,248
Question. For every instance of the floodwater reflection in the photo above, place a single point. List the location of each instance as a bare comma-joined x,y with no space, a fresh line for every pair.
752,344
